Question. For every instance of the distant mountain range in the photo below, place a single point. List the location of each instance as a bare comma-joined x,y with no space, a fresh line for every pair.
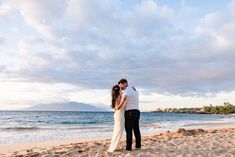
69,106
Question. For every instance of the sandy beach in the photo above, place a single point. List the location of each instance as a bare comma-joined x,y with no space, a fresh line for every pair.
184,142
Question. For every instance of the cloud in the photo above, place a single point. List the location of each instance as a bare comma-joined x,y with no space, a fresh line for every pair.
41,15
18,93
93,13
5,10
2,68
231,6
95,43
2,40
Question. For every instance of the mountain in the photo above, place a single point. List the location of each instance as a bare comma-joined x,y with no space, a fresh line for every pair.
69,106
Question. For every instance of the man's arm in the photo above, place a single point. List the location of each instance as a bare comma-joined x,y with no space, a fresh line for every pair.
123,100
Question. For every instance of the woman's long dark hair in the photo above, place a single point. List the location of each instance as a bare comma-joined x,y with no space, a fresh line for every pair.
115,94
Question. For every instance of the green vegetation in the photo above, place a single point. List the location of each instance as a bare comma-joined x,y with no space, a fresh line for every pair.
227,108
181,110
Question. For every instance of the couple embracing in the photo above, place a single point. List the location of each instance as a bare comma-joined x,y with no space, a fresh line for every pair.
125,101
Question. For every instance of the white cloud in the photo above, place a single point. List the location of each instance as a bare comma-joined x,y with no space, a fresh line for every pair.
143,39
98,14
150,8
5,10
174,101
2,40
27,93
93,44
231,7
41,15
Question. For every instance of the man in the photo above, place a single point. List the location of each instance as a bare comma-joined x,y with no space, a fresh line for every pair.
132,113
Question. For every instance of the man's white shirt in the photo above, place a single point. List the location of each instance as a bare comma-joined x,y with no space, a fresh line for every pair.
132,101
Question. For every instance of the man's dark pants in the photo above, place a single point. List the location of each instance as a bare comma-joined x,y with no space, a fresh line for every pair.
132,118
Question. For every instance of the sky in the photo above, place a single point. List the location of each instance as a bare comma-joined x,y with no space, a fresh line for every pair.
177,53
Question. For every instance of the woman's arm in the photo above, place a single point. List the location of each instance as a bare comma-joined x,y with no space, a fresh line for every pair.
120,103
117,102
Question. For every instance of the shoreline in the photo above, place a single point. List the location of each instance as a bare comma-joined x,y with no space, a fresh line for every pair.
9,148
61,146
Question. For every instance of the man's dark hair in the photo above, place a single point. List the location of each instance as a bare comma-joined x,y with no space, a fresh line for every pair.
122,81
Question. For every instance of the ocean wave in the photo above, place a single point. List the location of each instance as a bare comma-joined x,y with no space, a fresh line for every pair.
19,128
87,127
67,122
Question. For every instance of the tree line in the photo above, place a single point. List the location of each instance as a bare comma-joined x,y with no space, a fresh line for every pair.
227,108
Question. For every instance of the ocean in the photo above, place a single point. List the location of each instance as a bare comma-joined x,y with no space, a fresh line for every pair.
32,126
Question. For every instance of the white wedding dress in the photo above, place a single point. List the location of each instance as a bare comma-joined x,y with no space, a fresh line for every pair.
118,129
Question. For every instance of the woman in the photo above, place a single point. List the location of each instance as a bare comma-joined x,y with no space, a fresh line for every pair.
119,118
